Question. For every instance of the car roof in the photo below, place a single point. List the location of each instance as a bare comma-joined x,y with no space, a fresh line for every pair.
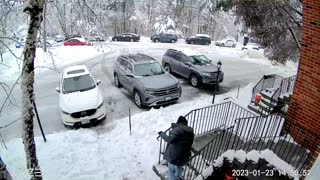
138,58
187,51
80,39
74,71
204,35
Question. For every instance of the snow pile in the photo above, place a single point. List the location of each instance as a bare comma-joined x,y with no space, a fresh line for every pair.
104,152
254,156
54,58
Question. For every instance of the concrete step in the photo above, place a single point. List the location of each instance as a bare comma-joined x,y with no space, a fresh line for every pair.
257,110
202,140
268,93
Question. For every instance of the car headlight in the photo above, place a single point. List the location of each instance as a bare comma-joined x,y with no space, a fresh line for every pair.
100,105
206,74
149,91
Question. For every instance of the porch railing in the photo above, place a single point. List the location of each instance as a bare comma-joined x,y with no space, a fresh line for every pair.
211,118
267,81
289,141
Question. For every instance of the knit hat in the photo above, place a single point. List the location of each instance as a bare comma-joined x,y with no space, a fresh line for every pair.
182,119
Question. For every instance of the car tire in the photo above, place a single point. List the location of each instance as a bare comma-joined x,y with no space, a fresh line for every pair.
195,80
115,39
234,46
156,40
137,99
207,43
167,68
192,42
222,45
131,40
116,80
173,41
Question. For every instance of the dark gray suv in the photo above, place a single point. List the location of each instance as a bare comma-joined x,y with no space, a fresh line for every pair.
191,65
146,80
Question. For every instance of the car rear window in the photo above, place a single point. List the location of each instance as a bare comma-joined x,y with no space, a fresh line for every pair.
76,71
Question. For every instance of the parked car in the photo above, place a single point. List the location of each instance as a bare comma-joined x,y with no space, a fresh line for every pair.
199,39
59,38
226,43
72,36
96,37
80,98
144,78
191,65
166,37
126,37
76,42
251,45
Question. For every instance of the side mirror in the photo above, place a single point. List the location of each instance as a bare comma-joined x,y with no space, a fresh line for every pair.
58,89
188,63
98,82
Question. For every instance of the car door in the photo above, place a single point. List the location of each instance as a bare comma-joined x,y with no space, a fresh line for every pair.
184,65
121,70
162,38
128,80
174,61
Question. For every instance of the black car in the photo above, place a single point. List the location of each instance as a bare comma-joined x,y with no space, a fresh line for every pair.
70,36
130,37
199,39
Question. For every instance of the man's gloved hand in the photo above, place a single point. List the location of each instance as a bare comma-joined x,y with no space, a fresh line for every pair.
160,132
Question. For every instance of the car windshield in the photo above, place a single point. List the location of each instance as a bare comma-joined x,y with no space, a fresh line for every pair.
148,69
200,60
79,83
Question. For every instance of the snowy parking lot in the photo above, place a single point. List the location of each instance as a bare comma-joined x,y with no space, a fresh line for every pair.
108,151
239,69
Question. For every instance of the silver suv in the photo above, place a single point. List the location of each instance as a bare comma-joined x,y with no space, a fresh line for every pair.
192,65
146,80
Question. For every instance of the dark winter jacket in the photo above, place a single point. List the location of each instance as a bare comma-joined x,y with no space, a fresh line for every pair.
179,141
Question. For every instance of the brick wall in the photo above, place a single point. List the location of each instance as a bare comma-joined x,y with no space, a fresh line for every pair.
307,88
306,96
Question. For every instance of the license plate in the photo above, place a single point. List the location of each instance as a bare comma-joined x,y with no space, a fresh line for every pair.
85,120
167,98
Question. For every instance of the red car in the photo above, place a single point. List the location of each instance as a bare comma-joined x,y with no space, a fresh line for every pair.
76,42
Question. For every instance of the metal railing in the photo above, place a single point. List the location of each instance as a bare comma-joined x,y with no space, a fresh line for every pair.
267,81
286,86
208,119
289,141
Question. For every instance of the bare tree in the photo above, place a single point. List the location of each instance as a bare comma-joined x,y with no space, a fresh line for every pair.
34,8
4,173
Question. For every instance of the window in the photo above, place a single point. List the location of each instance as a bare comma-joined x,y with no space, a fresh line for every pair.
170,53
184,58
200,60
148,69
122,63
79,83
129,69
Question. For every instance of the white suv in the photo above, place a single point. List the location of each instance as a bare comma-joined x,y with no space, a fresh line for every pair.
80,98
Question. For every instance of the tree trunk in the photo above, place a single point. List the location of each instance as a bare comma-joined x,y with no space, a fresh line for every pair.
4,173
34,9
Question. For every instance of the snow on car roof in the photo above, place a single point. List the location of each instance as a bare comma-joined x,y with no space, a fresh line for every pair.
80,39
188,52
74,71
204,35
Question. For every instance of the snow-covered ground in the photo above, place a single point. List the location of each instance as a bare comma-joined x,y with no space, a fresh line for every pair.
108,151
